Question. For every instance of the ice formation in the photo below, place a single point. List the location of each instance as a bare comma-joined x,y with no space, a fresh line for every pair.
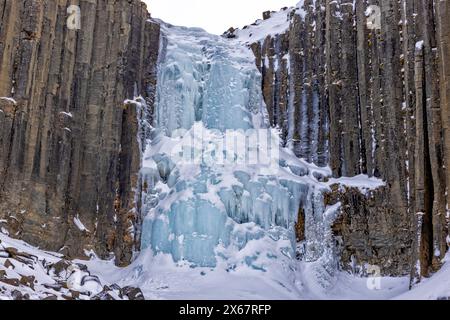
217,184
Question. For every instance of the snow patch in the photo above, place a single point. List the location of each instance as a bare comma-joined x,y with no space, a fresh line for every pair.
419,45
10,100
278,23
79,224
362,182
67,114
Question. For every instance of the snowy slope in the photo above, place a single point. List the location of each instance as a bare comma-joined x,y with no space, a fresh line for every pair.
29,273
278,23
160,278
436,287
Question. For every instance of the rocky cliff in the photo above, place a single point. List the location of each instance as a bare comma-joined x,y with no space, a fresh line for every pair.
363,99
365,90
69,157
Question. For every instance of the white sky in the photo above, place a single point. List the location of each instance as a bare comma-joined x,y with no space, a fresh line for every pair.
215,16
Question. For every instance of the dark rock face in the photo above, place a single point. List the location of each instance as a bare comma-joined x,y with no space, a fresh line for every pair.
368,231
371,101
68,146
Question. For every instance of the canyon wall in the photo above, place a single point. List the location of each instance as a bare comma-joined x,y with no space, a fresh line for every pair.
362,100
69,157
369,99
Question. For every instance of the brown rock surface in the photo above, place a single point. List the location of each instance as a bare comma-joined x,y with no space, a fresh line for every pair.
370,232
67,146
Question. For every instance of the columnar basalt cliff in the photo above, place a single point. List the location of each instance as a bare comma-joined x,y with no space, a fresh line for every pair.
69,157
368,99
363,100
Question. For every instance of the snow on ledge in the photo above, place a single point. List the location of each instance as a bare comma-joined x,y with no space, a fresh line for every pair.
8,99
362,182
67,114
79,224
278,23
419,45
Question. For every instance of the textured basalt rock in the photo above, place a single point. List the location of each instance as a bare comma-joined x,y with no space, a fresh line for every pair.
68,146
369,231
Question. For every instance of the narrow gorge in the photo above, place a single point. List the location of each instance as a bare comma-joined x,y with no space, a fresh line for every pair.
299,153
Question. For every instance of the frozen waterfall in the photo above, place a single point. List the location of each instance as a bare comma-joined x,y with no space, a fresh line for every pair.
218,187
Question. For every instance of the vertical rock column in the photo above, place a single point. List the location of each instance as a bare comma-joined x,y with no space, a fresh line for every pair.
443,42
429,202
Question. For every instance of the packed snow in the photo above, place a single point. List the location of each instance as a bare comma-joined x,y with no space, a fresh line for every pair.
67,114
362,182
26,272
278,23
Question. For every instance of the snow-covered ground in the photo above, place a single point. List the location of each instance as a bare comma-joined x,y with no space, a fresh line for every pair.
29,273
278,23
160,278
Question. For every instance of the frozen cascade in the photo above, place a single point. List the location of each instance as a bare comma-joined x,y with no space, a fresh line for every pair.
205,202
